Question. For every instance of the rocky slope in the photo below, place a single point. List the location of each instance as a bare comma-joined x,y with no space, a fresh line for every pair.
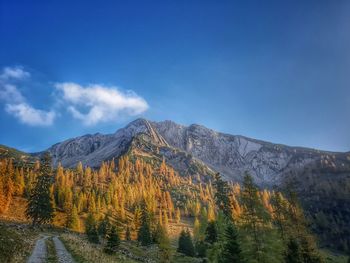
93,149
228,154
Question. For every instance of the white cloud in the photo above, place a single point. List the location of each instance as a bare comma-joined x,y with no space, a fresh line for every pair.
100,102
16,104
14,73
90,104
9,93
31,116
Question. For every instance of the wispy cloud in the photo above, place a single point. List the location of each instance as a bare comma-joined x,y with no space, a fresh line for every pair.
14,73
10,93
31,116
16,104
101,103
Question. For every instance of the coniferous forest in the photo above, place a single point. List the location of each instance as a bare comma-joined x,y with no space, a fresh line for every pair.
146,203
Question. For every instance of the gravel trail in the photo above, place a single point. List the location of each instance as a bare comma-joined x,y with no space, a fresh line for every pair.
63,255
39,253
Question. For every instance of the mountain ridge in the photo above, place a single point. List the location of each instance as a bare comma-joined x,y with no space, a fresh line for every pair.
231,155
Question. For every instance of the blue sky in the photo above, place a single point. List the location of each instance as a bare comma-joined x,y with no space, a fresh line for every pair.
272,70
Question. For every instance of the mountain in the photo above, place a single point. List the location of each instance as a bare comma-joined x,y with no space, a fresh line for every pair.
321,178
194,148
140,138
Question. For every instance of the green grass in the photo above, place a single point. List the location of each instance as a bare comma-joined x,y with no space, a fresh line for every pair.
78,257
16,243
83,251
10,242
51,251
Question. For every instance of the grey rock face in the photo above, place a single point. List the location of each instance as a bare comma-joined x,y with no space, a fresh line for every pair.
234,155
228,154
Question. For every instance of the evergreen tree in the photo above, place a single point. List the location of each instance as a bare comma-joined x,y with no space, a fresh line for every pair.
105,226
144,234
293,253
231,250
262,243
298,230
222,195
113,241
201,249
39,207
211,233
91,229
185,244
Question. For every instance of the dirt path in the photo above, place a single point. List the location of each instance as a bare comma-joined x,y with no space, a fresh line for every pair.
63,255
39,254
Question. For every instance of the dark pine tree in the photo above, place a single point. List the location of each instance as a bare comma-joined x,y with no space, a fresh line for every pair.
231,250
39,207
211,233
185,244
91,229
222,195
144,234
201,249
293,254
104,227
113,241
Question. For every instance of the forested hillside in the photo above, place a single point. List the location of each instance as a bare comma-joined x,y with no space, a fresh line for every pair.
321,178
146,200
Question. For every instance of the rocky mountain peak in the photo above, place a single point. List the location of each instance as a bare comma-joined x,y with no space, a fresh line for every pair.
231,155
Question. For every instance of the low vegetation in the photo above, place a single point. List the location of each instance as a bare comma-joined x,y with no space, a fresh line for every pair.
51,251
16,242
84,251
